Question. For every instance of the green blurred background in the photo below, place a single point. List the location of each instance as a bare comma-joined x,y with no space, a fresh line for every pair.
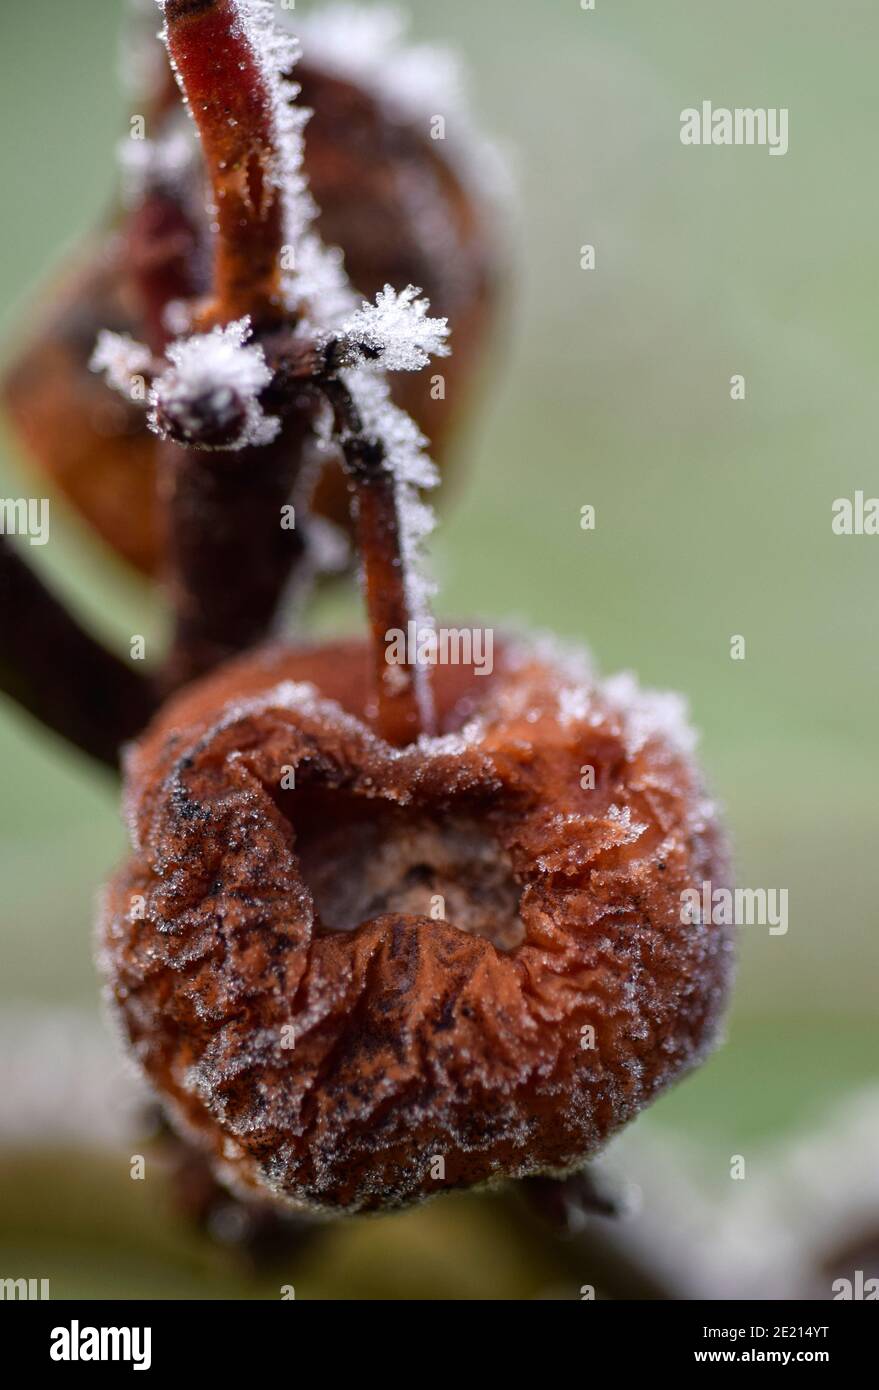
611,388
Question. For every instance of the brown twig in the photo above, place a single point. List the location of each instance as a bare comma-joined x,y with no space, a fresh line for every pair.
403,692
228,556
228,95
60,674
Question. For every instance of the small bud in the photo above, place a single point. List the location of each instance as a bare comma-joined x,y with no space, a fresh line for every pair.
213,419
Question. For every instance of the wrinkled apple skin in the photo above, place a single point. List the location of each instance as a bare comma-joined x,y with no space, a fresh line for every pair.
332,1068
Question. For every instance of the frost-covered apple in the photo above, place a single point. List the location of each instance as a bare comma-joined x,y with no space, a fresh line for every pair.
360,975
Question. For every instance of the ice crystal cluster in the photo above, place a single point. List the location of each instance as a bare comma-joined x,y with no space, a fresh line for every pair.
394,333
219,369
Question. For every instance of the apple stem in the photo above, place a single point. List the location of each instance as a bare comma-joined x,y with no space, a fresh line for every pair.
404,696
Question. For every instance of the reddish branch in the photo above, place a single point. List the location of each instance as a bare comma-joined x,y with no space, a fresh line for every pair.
60,674
403,692
231,103
228,556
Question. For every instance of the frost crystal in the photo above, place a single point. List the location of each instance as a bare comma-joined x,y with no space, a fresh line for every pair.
212,370
394,333
120,358
401,439
318,284
650,714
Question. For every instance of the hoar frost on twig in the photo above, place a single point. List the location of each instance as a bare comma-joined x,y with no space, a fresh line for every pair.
216,379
